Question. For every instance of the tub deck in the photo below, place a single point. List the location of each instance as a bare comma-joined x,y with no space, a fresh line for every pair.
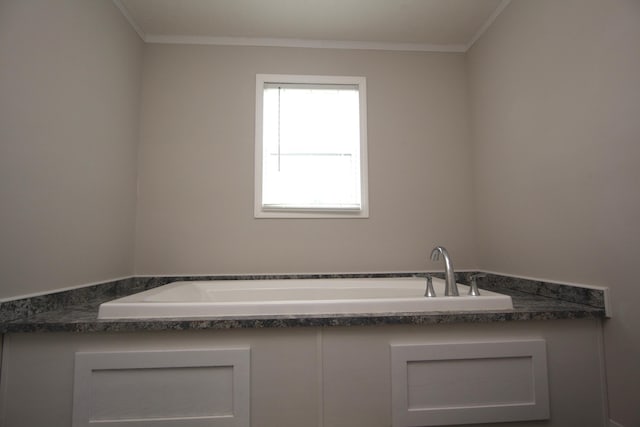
297,297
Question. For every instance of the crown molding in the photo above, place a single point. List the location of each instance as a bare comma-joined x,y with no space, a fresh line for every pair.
129,18
308,43
303,43
503,4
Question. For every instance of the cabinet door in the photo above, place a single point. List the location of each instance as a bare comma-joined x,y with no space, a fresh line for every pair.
449,383
179,388
359,389
38,373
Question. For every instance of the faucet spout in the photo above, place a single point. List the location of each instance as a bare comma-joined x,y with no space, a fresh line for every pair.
451,289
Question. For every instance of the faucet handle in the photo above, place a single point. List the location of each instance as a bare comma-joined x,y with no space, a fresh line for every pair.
429,292
473,288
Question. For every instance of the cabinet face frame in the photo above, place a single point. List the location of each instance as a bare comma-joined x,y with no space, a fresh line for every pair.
172,364
488,363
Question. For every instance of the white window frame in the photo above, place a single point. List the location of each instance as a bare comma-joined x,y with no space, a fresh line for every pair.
287,212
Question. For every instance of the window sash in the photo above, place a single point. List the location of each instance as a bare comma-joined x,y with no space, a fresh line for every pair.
351,203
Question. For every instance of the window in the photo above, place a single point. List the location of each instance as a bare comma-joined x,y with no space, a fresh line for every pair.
310,147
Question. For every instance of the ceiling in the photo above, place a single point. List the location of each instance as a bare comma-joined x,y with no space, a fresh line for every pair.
422,25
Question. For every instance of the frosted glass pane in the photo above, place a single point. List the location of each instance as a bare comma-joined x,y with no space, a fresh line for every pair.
311,147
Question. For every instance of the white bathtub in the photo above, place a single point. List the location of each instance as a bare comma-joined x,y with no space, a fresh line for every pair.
297,297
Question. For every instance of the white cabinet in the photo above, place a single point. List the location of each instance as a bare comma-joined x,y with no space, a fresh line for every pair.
39,370
358,372
316,377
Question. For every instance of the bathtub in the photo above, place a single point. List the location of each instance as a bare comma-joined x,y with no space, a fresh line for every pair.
297,297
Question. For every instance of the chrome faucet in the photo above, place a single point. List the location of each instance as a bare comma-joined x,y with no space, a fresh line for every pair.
429,292
473,287
451,289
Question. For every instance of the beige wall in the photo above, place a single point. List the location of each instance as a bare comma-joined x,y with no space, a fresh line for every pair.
196,165
69,91
549,156
555,103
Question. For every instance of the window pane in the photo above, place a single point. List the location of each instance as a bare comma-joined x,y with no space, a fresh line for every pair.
311,146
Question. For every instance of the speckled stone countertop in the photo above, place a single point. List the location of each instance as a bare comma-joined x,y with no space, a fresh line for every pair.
77,310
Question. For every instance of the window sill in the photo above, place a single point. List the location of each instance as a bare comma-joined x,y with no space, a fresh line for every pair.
344,213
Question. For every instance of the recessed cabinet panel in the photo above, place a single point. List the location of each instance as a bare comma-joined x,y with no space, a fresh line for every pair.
454,383
162,393
486,381
162,388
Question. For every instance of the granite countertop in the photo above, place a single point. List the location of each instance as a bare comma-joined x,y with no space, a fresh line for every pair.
531,301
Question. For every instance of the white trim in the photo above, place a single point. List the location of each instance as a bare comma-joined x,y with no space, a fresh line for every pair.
260,211
304,43
487,23
56,290
125,12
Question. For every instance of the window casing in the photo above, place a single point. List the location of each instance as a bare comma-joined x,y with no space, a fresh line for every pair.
311,150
